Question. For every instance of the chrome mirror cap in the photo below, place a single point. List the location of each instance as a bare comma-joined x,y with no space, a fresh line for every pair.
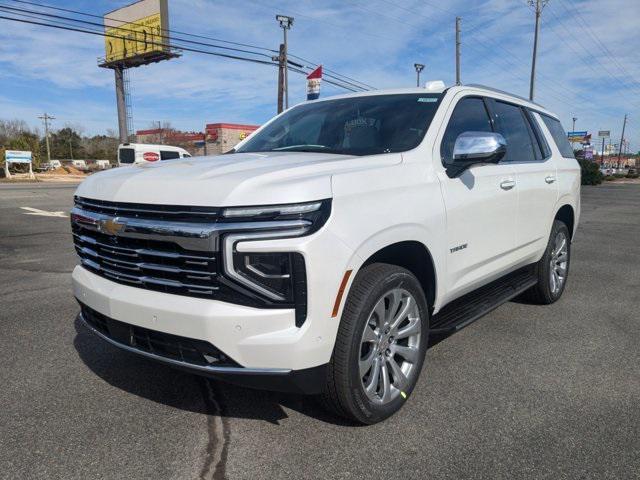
479,147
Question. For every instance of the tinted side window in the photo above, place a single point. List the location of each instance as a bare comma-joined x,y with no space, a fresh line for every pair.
127,155
542,141
559,136
164,155
516,131
470,115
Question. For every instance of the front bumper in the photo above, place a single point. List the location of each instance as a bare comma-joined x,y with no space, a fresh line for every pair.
121,335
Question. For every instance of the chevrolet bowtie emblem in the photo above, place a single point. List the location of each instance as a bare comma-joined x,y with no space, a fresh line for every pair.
112,226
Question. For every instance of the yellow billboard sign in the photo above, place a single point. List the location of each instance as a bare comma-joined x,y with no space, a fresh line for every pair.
137,32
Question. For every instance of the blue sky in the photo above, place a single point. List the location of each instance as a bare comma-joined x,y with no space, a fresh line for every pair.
588,66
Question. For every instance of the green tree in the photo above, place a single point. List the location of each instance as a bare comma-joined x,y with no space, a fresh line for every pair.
590,172
66,143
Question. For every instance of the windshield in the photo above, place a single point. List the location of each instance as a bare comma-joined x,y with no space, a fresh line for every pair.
349,126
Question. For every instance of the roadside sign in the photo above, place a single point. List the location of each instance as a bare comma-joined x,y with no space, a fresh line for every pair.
17,156
604,133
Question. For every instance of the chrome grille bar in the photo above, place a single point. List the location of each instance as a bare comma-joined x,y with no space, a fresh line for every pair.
180,257
188,235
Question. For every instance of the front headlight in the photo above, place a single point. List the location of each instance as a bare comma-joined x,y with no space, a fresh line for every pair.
273,273
276,277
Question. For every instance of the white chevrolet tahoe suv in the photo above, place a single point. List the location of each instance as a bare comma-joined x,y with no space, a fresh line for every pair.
321,254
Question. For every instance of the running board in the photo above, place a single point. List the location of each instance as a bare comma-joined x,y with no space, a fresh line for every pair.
470,307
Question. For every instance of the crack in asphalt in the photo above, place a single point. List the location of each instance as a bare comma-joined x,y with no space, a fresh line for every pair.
219,431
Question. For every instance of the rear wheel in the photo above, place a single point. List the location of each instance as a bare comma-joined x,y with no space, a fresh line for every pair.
380,346
553,267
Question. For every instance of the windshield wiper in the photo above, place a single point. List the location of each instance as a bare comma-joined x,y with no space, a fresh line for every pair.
301,148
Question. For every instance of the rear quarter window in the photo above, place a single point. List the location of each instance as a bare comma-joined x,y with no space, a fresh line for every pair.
559,135
127,155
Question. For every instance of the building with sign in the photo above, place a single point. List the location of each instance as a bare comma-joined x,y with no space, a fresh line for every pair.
220,138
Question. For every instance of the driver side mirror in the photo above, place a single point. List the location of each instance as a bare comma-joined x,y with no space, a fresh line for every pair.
476,147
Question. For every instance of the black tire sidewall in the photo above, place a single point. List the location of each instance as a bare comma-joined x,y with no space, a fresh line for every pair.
368,411
545,263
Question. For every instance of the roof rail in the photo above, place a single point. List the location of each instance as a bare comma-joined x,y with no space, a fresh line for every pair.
497,90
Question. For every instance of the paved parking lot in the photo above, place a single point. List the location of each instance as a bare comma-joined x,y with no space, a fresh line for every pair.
526,392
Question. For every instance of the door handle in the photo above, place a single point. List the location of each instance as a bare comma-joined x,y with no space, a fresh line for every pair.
507,184
550,179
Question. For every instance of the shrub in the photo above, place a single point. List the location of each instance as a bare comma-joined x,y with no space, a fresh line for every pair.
619,175
590,173
608,178
632,175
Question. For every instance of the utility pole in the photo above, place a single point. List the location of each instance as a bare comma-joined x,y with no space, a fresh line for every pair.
160,132
122,106
281,71
458,20
539,4
573,129
286,23
624,124
602,153
419,67
45,118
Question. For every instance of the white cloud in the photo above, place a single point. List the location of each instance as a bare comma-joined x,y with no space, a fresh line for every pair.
376,41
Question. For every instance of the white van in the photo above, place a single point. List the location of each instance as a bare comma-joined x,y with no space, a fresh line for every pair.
130,153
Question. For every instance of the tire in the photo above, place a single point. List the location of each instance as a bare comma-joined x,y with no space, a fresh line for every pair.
547,290
366,340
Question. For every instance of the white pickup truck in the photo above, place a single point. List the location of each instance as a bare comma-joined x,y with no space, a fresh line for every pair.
321,253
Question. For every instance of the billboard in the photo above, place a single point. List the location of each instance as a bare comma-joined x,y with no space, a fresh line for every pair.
582,137
137,34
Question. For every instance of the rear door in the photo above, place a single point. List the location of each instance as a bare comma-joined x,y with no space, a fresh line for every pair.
481,205
535,171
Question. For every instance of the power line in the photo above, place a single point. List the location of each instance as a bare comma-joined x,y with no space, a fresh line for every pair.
597,41
339,78
164,45
36,14
589,64
77,12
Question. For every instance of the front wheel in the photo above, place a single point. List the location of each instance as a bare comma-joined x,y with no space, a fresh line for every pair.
380,347
553,267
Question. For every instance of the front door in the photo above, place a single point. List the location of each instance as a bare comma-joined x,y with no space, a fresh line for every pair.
481,206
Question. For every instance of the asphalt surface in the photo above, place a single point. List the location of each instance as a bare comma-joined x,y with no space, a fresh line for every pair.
525,392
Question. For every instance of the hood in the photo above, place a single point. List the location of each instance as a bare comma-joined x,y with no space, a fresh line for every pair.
227,180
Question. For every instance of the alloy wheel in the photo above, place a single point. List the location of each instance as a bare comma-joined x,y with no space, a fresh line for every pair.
390,346
558,263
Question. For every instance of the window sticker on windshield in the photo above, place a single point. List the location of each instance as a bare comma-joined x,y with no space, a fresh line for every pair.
427,99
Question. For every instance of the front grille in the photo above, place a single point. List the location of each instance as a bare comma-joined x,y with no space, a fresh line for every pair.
153,265
150,255
174,347
149,211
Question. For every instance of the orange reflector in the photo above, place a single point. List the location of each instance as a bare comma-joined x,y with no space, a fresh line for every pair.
343,286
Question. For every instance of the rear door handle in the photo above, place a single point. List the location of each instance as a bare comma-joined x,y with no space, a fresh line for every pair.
550,179
507,184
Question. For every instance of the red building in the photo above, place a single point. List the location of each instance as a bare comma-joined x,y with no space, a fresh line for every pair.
220,138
